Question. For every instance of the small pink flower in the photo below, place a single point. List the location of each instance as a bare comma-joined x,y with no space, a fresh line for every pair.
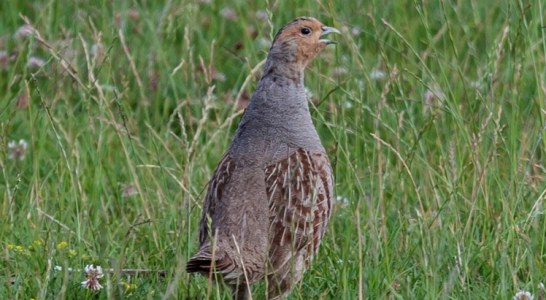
262,15
229,14
129,191
23,99
24,32
93,275
35,62
433,98
4,60
133,14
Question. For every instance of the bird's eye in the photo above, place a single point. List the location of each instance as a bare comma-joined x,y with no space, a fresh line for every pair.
305,31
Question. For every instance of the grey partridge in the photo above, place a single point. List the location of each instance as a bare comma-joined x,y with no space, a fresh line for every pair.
270,198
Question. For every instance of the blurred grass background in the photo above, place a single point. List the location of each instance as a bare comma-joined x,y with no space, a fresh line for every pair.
433,114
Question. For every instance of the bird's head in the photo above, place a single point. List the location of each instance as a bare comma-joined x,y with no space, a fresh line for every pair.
300,41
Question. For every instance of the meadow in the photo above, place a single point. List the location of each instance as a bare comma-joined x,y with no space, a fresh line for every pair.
114,114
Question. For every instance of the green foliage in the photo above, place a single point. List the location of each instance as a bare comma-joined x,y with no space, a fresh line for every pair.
432,113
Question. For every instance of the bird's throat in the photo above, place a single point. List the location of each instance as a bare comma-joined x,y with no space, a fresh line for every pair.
283,73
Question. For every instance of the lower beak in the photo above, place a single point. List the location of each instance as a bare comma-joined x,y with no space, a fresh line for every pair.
327,30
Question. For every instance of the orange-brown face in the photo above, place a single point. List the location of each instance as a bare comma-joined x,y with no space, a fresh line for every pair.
302,37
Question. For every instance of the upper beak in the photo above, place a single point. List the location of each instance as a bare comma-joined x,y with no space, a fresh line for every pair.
326,30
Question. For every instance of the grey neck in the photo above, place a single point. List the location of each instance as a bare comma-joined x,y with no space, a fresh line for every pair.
278,116
282,64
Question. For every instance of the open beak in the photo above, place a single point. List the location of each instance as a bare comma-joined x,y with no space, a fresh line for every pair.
326,30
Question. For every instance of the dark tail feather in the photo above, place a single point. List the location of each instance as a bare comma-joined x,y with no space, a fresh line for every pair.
203,262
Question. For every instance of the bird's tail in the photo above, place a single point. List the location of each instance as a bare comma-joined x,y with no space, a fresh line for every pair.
206,262
201,262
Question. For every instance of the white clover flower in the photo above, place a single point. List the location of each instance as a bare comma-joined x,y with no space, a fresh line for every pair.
342,200
356,30
98,52
348,104
339,72
476,84
523,295
263,43
377,74
93,275
219,76
17,150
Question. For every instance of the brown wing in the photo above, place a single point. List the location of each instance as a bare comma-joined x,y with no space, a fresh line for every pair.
300,200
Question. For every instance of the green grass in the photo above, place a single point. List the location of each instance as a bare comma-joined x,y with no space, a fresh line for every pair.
440,161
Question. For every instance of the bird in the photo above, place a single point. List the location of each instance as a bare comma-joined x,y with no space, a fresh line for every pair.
269,200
